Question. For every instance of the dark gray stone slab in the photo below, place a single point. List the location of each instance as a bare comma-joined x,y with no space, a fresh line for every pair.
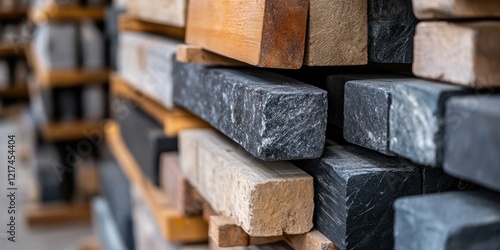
391,27
271,116
473,138
55,45
448,221
105,226
49,182
92,46
366,114
354,192
416,123
94,102
68,104
435,180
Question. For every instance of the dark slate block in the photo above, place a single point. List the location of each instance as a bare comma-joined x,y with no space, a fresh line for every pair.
473,138
354,192
49,182
271,116
68,104
435,180
454,220
144,138
416,123
391,27
366,117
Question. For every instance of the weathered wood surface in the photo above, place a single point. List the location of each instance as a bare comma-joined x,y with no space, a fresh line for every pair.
132,23
196,54
264,198
465,53
456,9
264,33
170,12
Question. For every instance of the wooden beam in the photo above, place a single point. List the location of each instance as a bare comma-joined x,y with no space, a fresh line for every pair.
66,131
173,120
174,226
237,184
169,12
54,12
456,9
12,13
128,22
16,90
264,33
57,213
225,233
196,54
12,49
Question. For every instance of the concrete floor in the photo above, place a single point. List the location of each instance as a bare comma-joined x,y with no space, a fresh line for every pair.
46,238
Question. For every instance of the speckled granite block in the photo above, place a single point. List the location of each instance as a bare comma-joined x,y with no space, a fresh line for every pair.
271,116
391,27
455,220
416,123
473,138
354,192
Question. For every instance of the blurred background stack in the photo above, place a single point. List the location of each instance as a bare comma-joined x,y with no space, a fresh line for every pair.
269,124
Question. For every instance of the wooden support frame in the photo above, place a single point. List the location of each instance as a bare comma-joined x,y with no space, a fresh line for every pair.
54,12
17,90
13,49
57,213
128,22
67,131
188,53
175,226
16,13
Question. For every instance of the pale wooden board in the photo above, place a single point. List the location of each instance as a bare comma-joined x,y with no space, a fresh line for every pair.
337,33
170,12
264,33
189,53
456,9
465,53
129,22
264,198
53,12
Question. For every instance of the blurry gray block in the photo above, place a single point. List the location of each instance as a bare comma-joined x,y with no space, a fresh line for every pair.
21,72
67,104
48,177
472,140
41,105
55,45
95,2
94,102
416,123
4,74
448,221
92,42
105,226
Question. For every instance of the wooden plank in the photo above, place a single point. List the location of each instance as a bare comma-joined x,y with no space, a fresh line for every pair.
57,213
54,12
174,226
461,53
12,13
17,90
456,9
173,120
337,33
225,233
12,49
313,240
66,131
236,184
128,22
264,33
188,53
169,12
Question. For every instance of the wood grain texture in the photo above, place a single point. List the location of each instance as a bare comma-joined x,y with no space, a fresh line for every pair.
170,12
264,198
264,33
461,53
225,233
337,33
456,9
54,13
196,54
131,23
66,131
57,213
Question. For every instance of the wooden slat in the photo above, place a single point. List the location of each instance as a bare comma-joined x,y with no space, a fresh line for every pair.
12,49
196,54
12,13
175,226
169,12
58,213
56,13
18,90
66,131
89,243
456,9
264,33
173,120
65,78
128,22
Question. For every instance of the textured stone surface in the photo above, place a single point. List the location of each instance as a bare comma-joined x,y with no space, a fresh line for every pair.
473,139
92,46
391,26
145,139
455,220
366,114
272,117
53,51
105,226
435,180
264,198
354,191
416,125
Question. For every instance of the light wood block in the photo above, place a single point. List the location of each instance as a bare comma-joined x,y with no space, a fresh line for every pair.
170,12
128,22
265,198
173,120
53,12
196,54
264,33
337,33
225,233
66,131
175,227
461,53
57,213
456,9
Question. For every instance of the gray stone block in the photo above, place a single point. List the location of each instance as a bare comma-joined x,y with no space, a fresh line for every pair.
391,27
92,46
105,226
4,74
473,138
55,45
354,192
448,221
94,102
416,119
271,116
